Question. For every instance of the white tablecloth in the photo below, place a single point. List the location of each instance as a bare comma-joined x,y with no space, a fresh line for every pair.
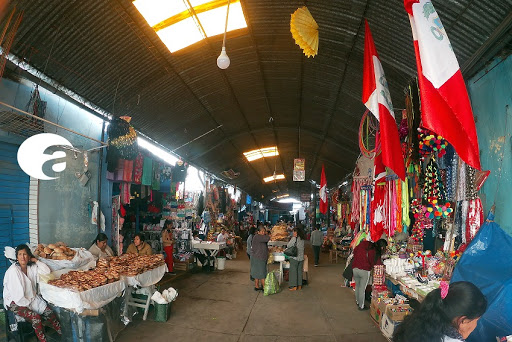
79,301
147,278
99,296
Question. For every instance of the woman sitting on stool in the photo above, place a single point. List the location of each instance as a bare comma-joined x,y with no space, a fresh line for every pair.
20,294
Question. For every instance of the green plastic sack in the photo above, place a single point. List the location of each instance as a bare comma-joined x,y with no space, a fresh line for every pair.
271,285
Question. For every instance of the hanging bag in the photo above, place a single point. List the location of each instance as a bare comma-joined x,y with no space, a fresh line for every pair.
292,250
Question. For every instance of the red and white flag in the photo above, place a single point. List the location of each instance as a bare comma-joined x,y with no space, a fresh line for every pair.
377,99
323,192
445,106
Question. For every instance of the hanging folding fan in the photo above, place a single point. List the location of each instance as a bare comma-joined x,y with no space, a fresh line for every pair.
304,30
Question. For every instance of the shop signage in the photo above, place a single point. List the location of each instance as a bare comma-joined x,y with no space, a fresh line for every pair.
32,156
299,170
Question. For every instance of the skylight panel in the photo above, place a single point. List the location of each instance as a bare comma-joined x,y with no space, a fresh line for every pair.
261,153
273,178
156,11
180,35
172,19
213,21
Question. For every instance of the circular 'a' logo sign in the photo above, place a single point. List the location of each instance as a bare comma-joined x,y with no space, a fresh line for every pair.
32,156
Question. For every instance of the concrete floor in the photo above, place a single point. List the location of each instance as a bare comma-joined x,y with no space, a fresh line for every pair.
223,306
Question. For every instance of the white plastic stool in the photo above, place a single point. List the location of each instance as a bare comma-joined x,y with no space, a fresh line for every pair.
140,303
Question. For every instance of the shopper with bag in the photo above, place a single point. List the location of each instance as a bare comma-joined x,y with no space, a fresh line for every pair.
259,258
366,255
295,252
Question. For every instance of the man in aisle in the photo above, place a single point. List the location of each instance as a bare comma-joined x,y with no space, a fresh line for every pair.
203,259
317,238
224,237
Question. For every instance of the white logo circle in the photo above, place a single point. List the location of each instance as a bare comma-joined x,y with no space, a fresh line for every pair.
31,156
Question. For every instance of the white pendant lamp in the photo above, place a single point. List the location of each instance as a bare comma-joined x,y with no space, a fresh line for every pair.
223,59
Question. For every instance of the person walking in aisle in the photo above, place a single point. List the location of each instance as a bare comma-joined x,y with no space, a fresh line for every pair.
259,256
317,238
297,262
252,230
366,255
168,244
447,314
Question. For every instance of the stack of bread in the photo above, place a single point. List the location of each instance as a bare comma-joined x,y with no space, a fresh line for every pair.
131,264
55,251
279,233
85,280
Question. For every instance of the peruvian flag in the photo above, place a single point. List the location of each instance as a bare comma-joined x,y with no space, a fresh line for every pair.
445,106
377,99
323,192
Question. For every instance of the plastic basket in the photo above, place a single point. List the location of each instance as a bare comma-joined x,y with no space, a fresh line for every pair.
162,312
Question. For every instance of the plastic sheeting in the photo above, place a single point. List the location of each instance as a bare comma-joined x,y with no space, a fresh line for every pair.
83,260
79,301
147,278
487,263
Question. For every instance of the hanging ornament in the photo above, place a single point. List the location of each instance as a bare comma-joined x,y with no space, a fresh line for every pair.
304,30
436,211
431,143
433,188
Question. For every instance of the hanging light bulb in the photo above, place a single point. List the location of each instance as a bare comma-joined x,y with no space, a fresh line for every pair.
223,59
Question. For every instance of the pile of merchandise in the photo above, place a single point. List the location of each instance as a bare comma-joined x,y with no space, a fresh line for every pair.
131,264
108,270
85,280
57,251
279,233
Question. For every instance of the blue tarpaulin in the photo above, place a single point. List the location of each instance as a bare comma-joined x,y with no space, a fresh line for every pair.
487,263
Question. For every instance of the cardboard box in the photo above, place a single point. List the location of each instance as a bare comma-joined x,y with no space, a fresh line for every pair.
388,326
377,310
397,313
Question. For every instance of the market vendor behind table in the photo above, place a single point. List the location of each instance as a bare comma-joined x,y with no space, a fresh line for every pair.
139,246
99,247
20,294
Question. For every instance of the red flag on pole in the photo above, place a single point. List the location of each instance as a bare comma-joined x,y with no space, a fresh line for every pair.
377,99
323,192
445,106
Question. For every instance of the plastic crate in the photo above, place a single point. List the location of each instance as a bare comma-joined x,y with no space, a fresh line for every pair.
162,312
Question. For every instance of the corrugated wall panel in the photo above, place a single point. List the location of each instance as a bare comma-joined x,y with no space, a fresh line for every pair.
14,202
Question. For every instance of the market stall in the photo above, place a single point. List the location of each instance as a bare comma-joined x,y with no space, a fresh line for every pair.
96,292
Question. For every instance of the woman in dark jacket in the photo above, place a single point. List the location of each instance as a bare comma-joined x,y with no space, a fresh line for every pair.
366,255
296,262
259,256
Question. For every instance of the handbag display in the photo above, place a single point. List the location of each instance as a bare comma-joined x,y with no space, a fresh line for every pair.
292,250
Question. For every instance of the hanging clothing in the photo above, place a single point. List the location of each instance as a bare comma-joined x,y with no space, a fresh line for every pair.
147,171
377,212
155,181
125,193
475,218
137,169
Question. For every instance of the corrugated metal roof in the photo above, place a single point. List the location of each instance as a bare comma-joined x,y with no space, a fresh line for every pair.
100,48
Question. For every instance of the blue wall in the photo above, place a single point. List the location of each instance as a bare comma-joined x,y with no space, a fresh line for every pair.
64,205
491,97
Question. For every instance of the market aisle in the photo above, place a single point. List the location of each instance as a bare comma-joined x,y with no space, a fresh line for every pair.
223,306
